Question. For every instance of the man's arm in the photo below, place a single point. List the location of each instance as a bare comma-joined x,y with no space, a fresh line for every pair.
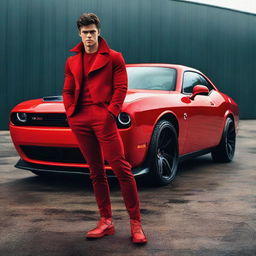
119,84
69,87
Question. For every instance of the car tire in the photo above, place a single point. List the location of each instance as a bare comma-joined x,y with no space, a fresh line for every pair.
162,157
225,151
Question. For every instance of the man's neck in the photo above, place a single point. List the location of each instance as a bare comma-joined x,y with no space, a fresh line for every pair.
91,49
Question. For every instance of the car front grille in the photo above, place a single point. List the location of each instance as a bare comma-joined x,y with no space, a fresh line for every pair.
42,119
48,119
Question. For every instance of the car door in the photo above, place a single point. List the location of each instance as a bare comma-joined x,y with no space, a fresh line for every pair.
201,114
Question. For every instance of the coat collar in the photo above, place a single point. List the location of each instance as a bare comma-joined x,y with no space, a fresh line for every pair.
103,46
101,59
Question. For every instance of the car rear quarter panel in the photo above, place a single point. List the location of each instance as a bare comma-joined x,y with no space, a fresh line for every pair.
232,109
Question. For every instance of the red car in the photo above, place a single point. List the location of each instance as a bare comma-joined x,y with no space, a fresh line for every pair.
170,113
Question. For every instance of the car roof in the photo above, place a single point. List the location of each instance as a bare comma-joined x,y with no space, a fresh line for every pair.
164,65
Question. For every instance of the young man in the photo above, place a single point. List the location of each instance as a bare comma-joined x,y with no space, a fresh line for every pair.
94,90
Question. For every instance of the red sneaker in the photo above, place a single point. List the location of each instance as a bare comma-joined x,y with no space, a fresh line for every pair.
104,227
137,233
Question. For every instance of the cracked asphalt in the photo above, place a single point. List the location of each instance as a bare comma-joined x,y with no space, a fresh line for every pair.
209,209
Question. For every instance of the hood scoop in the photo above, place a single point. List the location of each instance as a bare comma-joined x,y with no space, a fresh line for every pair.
52,98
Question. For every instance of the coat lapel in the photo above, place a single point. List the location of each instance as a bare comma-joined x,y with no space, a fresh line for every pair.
76,65
100,61
102,58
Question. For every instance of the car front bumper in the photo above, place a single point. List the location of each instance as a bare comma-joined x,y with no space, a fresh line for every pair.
41,168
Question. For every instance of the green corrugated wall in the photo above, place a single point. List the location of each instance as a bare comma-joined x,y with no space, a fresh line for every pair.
35,36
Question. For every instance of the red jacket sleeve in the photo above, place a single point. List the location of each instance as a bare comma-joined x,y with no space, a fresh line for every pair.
69,87
119,84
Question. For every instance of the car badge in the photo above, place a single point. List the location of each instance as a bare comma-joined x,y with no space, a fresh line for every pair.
37,118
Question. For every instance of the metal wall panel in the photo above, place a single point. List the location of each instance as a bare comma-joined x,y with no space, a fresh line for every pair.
37,34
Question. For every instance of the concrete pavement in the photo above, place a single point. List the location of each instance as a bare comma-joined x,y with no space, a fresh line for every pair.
209,209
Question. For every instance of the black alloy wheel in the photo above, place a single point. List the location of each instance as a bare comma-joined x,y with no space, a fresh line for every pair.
163,154
225,151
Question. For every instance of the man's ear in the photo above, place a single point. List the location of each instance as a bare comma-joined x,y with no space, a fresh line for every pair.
99,31
79,32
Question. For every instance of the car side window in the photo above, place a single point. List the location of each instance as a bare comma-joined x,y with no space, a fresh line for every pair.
152,78
190,79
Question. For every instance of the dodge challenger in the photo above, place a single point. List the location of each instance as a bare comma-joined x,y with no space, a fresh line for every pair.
170,113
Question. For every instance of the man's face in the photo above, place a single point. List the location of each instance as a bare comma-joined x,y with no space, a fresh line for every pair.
89,35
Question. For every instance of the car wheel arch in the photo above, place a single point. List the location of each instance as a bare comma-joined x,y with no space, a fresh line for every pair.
155,177
225,150
171,117
228,114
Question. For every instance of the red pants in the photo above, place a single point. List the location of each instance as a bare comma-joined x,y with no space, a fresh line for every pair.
98,138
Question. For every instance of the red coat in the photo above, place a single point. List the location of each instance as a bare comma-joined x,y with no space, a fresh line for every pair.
107,77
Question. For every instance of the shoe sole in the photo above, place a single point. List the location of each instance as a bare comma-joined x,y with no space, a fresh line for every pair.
109,231
139,241
144,241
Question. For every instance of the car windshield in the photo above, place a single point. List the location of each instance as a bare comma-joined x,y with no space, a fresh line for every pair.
151,78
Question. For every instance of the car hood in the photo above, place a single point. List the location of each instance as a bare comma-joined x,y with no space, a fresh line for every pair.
132,96
50,103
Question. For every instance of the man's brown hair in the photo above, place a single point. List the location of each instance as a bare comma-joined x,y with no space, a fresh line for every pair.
87,19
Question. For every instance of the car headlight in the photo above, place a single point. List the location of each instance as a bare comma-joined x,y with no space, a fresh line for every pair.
22,117
123,120
19,118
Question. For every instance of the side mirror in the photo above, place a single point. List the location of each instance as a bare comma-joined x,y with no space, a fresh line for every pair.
199,89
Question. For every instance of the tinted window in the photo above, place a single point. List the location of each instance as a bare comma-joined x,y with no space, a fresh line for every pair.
151,78
204,82
190,79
